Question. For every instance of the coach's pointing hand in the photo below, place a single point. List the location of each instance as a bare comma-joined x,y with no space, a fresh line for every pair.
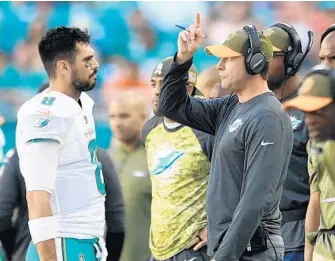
189,42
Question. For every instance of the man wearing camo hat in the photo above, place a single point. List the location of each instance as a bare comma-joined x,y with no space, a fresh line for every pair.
178,161
253,143
316,98
284,82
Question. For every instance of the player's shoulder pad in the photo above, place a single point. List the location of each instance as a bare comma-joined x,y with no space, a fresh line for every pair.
150,125
49,104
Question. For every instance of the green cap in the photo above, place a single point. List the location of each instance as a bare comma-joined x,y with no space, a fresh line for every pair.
163,67
316,92
238,44
279,38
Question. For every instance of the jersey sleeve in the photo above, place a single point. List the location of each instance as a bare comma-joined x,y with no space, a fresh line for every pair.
206,141
177,105
149,126
39,127
46,116
39,168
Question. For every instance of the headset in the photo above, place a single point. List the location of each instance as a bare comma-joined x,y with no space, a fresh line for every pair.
255,60
326,32
295,57
327,71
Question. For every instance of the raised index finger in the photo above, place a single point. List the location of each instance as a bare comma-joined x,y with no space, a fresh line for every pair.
197,21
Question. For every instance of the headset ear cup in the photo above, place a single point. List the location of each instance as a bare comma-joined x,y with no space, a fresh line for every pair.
257,63
247,61
295,54
288,63
296,63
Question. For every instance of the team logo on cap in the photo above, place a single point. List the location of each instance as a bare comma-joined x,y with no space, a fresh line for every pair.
159,69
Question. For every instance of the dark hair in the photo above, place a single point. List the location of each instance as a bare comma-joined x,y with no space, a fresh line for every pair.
265,73
60,43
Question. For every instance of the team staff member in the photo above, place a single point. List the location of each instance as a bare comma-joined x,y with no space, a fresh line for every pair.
179,162
326,55
253,143
127,115
284,82
316,98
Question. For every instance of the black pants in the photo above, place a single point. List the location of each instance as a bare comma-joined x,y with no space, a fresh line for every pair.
188,255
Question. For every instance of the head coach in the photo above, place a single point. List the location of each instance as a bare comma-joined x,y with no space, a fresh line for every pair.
253,143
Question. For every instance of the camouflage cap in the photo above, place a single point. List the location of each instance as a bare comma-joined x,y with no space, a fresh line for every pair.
279,38
163,67
238,44
316,92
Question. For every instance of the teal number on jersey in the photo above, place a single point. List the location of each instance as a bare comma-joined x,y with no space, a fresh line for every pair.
100,184
48,100
2,256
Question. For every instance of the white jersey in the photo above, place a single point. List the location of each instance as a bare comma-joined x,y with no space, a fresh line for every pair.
78,197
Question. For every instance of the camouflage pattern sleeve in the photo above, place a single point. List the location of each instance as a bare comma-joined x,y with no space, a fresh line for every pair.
312,171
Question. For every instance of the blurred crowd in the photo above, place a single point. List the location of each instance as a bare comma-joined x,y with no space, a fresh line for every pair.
130,38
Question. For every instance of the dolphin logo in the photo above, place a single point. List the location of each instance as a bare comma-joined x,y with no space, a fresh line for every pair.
166,162
295,122
42,123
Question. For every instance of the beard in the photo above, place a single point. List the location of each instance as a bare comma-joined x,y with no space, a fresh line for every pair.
83,86
275,82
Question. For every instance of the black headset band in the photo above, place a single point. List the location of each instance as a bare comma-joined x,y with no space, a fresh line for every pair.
253,38
295,39
330,29
255,60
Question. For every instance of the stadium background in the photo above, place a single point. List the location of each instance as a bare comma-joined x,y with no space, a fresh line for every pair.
130,38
